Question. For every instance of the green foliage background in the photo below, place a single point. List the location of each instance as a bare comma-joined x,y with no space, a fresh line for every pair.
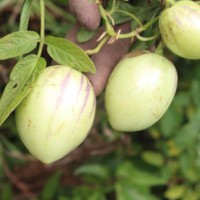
161,163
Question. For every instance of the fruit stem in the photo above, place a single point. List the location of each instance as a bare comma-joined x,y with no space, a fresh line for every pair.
138,30
160,48
144,39
42,27
105,16
98,48
169,3
111,32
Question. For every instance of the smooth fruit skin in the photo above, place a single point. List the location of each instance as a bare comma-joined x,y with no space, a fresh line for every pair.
180,29
57,115
139,91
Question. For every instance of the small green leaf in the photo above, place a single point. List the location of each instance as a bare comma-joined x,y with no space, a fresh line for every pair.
11,146
189,167
51,187
175,192
171,121
84,35
25,13
96,195
1,161
195,87
153,158
120,17
6,191
191,195
93,169
186,136
130,192
133,175
66,53
173,118
23,76
88,193
17,44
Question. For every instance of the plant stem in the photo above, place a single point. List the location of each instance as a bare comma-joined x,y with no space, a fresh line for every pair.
135,32
104,15
170,3
111,32
42,27
160,48
144,39
98,48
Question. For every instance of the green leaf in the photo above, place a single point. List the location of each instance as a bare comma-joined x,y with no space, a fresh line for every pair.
51,187
191,195
175,192
128,192
195,87
66,53
132,174
173,118
153,158
1,160
189,167
11,146
122,17
25,13
84,35
171,121
186,136
88,193
96,195
18,43
93,169
23,76
6,192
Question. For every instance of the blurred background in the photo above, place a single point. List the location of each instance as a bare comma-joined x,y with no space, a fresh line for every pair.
160,163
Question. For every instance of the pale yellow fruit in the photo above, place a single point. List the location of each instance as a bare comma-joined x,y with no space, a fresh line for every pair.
139,91
180,29
57,114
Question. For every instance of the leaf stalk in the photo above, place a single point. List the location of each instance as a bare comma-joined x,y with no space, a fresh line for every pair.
42,27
